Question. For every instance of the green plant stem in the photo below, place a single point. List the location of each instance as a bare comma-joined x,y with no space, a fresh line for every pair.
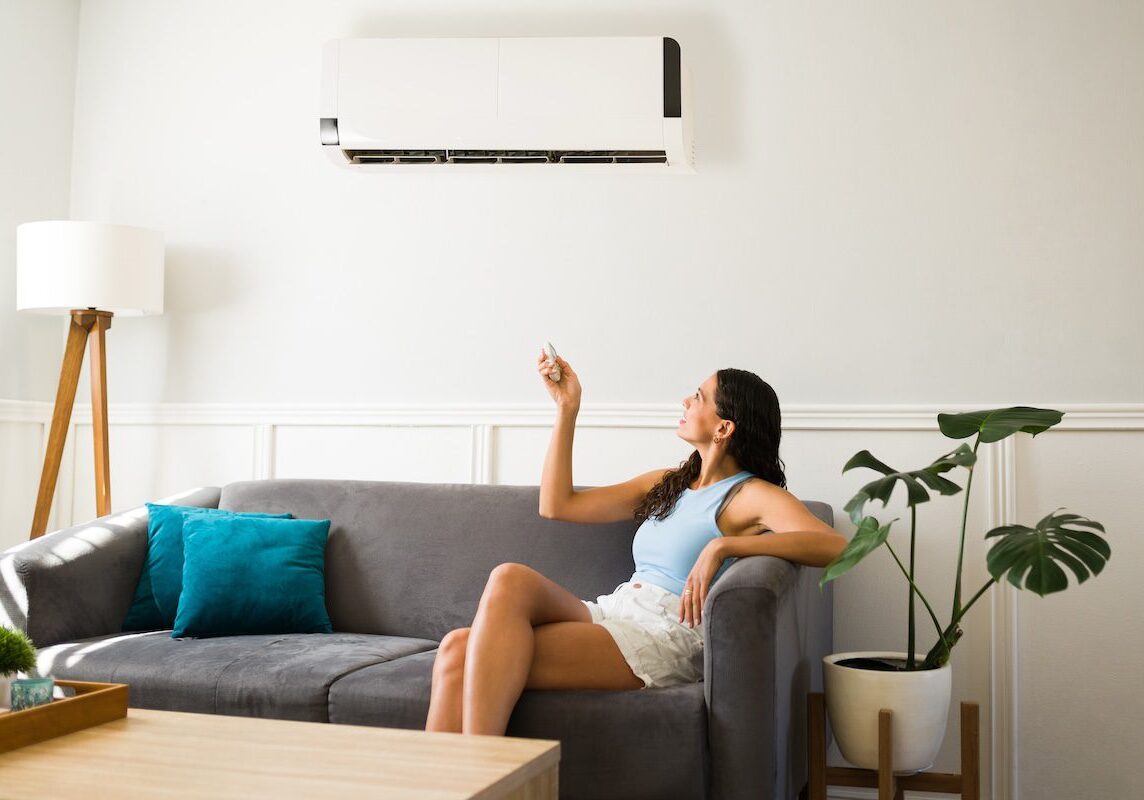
940,652
933,616
969,605
961,545
910,638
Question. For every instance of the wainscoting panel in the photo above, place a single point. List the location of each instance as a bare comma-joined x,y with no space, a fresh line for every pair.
1081,649
20,464
154,461
601,455
429,453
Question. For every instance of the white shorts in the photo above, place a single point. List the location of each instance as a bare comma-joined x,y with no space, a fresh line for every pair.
644,620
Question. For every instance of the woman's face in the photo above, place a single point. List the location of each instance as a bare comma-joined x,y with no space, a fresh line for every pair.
699,417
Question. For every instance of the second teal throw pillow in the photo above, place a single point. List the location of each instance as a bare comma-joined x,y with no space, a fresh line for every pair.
161,581
247,575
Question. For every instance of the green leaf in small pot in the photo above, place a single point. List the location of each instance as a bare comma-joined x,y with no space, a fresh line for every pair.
1033,554
868,538
998,423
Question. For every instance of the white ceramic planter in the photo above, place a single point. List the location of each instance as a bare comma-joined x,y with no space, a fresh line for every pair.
919,700
6,691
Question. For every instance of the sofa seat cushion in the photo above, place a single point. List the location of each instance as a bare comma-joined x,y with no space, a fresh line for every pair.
664,730
285,676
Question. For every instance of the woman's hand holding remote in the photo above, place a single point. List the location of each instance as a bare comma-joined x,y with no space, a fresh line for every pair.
566,392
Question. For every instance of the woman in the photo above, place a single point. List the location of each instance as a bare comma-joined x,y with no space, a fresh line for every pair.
531,633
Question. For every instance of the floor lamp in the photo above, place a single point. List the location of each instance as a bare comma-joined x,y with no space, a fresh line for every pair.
90,271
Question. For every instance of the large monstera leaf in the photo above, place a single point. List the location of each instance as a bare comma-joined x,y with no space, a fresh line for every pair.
1033,553
882,488
998,423
868,538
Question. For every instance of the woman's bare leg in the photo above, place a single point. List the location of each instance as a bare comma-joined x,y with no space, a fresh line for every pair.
448,674
566,655
501,642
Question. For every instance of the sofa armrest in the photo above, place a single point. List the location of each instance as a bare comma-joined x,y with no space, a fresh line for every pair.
79,582
767,626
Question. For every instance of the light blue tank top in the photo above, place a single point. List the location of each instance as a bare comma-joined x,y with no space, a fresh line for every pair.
665,550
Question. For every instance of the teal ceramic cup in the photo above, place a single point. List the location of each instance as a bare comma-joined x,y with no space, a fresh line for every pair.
31,692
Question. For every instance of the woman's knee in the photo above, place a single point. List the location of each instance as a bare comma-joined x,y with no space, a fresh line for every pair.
509,578
451,651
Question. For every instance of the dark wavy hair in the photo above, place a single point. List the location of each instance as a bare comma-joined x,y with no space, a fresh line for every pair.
748,401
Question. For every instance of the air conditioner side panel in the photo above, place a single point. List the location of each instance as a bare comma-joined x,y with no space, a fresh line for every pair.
678,136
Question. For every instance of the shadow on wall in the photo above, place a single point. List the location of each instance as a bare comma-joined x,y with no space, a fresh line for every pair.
703,39
199,281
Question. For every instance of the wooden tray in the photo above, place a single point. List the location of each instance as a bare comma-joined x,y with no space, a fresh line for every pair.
93,704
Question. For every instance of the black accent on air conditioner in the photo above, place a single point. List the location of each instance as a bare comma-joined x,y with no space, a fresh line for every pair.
329,130
506,156
672,92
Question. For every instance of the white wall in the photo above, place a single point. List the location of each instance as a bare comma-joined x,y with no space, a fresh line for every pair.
895,203
903,201
37,91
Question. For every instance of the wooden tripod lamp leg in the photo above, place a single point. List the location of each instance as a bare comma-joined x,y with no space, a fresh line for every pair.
98,369
61,416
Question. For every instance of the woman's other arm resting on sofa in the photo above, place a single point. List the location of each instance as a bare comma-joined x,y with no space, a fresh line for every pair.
813,548
796,533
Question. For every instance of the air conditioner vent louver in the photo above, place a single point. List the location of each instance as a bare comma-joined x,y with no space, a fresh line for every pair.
506,156
395,156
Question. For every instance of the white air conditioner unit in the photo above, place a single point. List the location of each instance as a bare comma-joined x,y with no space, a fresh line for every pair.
593,103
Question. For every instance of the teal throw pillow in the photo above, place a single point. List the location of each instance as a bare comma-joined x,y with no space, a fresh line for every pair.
161,580
248,575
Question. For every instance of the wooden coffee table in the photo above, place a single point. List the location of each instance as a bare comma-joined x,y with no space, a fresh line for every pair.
171,754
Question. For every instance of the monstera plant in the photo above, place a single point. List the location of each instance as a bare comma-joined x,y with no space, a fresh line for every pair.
859,685
1029,558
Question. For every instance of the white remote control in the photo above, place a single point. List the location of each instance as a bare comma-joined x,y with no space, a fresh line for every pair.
551,351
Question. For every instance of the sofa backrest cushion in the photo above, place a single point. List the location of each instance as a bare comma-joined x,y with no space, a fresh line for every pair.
412,559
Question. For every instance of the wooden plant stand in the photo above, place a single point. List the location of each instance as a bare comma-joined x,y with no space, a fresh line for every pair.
967,783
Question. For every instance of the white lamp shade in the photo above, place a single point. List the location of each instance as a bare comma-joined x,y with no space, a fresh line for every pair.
62,264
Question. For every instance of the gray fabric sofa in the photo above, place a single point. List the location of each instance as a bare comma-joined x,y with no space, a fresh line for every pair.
406,563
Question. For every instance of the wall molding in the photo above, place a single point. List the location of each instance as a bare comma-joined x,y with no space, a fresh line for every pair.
25,411
1004,602
1093,416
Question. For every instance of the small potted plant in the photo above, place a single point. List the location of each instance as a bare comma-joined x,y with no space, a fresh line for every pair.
17,654
858,684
